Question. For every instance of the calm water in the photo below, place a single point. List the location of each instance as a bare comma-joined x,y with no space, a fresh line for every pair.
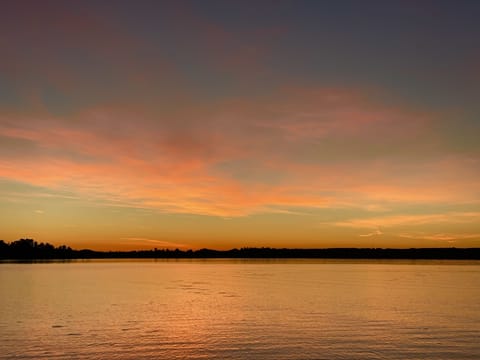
240,310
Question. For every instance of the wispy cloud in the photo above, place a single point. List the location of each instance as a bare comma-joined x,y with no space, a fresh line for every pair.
375,233
157,242
412,220
449,237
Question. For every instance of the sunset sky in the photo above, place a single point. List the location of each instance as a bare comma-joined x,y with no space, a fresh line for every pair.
221,124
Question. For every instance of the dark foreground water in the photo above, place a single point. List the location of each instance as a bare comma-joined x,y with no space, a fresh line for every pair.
221,309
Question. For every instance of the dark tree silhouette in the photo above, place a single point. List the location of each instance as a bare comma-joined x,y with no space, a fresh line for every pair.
30,249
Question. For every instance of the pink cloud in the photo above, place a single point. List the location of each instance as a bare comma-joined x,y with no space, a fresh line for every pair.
297,148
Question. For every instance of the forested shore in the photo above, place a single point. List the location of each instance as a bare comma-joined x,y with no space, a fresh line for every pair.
30,249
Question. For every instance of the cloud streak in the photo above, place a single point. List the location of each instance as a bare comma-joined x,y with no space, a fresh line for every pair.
375,233
412,220
440,236
156,242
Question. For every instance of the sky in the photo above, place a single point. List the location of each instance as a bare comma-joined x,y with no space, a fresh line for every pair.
221,124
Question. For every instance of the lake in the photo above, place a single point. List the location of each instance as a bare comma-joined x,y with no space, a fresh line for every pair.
240,309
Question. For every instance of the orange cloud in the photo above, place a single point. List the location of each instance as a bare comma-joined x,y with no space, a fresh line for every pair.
312,148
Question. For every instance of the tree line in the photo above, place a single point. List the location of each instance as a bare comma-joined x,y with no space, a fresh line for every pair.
30,249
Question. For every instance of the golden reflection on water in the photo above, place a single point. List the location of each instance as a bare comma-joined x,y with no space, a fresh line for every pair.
240,309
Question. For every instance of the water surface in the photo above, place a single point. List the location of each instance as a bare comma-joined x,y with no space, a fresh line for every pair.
234,309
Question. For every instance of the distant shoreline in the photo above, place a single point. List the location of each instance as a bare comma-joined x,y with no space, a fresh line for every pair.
28,249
